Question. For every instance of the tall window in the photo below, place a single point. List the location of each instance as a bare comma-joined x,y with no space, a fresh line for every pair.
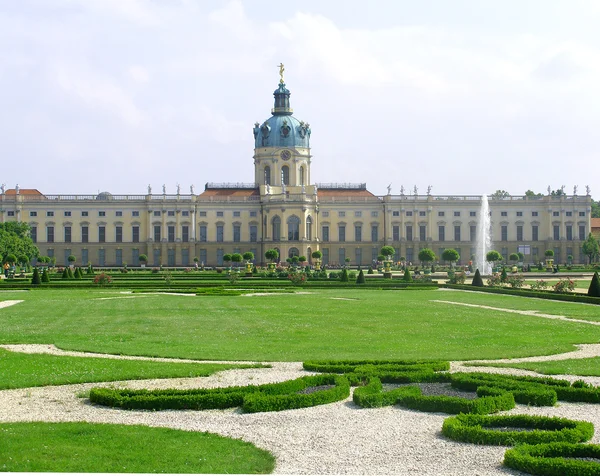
534,233
267,175
457,232
67,234
202,232
325,233
157,236
119,234
342,256
442,232
293,228
409,234
50,234
185,234
285,174
473,233
374,233
171,233
85,234
582,232
220,230
519,232
236,233
276,225
341,232
357,233
309,228
422,233
101,234
504,232
33,233
556,229
135,233
569,232
301,175
396,233
253,233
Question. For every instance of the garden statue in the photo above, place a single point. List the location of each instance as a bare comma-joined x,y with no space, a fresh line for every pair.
549,190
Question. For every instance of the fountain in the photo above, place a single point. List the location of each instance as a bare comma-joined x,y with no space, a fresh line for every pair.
484,239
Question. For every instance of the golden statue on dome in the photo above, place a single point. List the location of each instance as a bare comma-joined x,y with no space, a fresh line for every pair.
281,70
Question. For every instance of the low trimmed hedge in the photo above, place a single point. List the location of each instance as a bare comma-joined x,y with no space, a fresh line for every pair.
252,398
366,366
372,395
554,459
479,429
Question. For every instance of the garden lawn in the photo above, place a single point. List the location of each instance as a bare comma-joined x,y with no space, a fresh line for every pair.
103,448
326,324
34,370
584,367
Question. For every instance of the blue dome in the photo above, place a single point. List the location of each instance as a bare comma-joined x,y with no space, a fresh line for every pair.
282,129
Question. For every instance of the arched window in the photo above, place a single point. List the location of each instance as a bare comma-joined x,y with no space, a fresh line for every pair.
293,252
293,228
276,223
309,228
267,175
285,174
302,176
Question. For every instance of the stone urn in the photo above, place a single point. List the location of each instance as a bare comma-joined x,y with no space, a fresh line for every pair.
387,268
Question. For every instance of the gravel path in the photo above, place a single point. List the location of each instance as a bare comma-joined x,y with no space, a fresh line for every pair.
338,438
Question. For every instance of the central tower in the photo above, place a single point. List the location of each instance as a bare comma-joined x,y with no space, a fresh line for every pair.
282,148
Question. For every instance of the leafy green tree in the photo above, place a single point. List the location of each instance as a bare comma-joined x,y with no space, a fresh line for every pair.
10,259
426,255
549,254
273,254
591,248
248,256
450,255
531,193
513,257
317,254
15,240
227,258
143,259
499,194
521,256
302,259
388,251
237,258
493,257
595,209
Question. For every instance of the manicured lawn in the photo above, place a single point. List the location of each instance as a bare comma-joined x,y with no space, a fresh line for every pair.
327,324
33,370
584,367
97,448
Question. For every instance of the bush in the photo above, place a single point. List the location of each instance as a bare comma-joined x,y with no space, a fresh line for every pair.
554,459
45,276
407,277
457,278
65,274
344,276
565,285
361,278
102,279
516,281
370,271
36,280
489,429
477,281
539,285
594,289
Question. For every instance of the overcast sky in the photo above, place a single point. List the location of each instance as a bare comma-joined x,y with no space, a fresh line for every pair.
466,96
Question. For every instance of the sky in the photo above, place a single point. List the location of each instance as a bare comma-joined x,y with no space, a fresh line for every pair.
465,97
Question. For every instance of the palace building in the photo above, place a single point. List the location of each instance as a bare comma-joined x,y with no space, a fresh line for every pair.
284,209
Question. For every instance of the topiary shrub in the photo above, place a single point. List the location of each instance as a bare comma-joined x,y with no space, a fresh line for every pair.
65,273
555,459
503,275
45,276
491,429
407,277
36,280
361,278
594,289
477,281
344,276
70,273
370,271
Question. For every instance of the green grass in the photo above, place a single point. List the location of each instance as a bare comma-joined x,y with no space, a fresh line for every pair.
585,367
34,370
364,324
102,448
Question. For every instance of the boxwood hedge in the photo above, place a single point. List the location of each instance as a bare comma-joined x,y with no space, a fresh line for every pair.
555,459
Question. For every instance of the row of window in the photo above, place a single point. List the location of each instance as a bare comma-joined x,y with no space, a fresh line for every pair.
134,213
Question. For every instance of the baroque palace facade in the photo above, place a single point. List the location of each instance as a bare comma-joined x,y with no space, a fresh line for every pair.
284,209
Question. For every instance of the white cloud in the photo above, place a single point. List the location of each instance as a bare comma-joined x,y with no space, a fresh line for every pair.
138,74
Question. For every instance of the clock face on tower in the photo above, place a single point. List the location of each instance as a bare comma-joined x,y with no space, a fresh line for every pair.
285,154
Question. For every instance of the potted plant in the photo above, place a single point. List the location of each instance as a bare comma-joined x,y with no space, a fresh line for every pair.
227,259
426,256
317,255
143,260
549,260
248,256
387,252
493,257
71,259
272,255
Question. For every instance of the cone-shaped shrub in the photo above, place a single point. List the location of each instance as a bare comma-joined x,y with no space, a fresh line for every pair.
70,273
477,281
65,274
361,278
594,289
370,270
503,275
36,280
45,277
407,277
344,276
78,273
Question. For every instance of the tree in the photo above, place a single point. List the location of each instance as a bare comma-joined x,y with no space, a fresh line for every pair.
549,254
316,254
143,259
302,259
493,257
273,254
594,289
36,280
591,248
227,257
15,240
71,259
521,256
361,277
248,256
500,194
595,209
388,252
237,258
513,257
450,255
477,281
530,193
426,256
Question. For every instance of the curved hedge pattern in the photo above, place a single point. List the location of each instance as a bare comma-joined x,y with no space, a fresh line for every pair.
479,429
552,459
252,398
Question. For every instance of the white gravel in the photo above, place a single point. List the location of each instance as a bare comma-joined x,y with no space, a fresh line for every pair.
338,438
